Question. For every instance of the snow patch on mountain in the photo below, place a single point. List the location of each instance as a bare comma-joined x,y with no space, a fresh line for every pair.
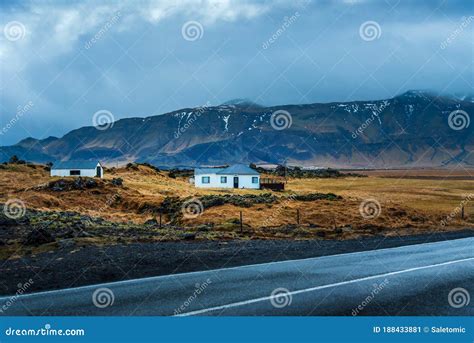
226,121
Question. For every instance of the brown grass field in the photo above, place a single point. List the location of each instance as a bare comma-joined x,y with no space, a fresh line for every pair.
408,205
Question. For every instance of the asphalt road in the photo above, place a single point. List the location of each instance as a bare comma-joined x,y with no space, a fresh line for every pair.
409,280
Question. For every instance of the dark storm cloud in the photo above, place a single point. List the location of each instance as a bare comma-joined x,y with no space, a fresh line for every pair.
140,59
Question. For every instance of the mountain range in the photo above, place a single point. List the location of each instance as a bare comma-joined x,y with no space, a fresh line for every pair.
414,129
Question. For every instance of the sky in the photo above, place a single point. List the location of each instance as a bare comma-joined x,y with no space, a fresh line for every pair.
63,62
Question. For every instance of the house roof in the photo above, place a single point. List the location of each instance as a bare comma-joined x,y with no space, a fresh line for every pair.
199,171
75,164
241,169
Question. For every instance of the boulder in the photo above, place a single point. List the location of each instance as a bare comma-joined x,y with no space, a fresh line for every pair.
117,181
189,236
151,222
5,221
321,234
38,237
204,227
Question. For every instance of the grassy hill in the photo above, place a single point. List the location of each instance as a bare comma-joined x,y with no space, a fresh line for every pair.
135,196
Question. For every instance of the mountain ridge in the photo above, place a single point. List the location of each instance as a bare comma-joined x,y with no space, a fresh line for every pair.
409,130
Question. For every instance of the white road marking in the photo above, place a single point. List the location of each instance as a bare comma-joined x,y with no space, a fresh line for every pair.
312,289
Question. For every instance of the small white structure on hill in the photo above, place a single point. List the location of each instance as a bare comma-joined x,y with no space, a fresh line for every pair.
77,168
235,176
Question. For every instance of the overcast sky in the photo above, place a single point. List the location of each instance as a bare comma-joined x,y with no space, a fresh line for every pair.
63,61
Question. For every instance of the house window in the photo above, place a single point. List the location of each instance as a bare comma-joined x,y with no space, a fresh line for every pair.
206,179
254,179
74,172
223,179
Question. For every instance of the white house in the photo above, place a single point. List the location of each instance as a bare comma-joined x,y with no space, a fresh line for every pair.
77,168
235,176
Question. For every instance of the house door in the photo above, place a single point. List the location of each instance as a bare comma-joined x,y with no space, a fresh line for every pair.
236,182
99,172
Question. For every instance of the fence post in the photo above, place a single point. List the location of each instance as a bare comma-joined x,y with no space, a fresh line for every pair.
241,223
298,216
462,212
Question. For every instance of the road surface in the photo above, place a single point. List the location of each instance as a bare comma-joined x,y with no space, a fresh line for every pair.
408,280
